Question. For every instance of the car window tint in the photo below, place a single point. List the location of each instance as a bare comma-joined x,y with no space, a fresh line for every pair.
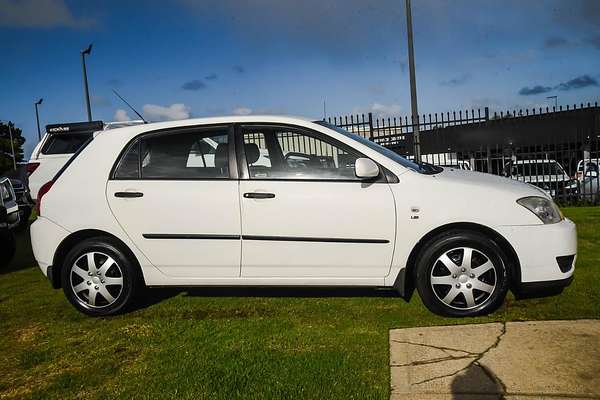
64,144
189,155
294,154
129,166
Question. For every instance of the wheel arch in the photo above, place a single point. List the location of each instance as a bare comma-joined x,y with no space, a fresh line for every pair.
67,244
405,282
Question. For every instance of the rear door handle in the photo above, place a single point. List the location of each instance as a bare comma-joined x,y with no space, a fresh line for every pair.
259,195
128,194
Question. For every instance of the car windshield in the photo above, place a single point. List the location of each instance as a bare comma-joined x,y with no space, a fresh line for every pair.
374,146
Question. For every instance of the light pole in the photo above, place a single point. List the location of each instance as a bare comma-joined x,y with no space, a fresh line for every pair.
413,84
555,100
85,81
37,117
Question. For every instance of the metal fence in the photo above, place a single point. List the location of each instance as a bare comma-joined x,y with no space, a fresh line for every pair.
556,149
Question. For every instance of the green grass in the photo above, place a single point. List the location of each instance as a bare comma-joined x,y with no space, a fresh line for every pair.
227,344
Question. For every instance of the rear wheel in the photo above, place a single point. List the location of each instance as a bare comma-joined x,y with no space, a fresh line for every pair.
9,246
98,277
462,273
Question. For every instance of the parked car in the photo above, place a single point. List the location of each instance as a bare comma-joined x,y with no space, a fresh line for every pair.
24,201
589,187
9,218
548,175
587,168
129,211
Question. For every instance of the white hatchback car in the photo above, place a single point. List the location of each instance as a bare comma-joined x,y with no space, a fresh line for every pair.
136,207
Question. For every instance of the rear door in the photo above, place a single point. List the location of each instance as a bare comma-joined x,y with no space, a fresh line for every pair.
304,212
176,195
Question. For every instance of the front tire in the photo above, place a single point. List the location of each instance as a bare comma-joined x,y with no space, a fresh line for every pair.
98,277
462,274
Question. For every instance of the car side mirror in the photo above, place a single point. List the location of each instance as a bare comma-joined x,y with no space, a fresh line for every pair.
365,168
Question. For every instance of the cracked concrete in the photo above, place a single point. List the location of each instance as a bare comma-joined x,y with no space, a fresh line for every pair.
514,360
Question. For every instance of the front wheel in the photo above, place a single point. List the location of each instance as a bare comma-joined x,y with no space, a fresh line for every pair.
462,274
98,277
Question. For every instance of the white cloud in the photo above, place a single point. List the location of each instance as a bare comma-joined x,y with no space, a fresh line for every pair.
172,112
121,115
40,14
380,110
242,111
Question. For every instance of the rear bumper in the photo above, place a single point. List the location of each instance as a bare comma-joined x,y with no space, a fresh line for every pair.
46,236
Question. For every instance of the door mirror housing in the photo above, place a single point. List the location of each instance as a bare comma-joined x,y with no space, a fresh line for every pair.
365,168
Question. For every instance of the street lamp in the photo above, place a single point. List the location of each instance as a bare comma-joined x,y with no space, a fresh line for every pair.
37,117
85,81
555,100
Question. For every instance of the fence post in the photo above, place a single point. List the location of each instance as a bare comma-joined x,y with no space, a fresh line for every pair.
487,114
371,126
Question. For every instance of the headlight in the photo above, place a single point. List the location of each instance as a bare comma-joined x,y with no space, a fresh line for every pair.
543,208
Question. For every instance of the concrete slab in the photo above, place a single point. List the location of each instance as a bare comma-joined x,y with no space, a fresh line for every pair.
544,359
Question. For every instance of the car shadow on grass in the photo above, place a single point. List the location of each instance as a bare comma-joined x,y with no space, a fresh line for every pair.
153,296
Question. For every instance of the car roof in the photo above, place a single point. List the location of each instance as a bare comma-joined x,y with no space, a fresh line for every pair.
228,119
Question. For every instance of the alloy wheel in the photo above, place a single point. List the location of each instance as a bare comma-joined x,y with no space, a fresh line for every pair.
463,278
96,280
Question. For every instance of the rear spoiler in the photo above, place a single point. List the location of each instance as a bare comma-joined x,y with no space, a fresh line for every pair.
74,127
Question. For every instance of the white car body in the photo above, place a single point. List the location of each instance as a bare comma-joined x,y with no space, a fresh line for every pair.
277,241
47,161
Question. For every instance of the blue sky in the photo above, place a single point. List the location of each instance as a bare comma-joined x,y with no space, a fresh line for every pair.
188,58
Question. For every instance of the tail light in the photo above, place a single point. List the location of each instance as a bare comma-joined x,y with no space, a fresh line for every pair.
32,166
43,190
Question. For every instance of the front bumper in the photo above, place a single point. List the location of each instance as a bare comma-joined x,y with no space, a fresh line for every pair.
539,249
542,288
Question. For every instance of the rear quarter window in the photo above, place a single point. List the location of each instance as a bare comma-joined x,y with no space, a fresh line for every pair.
64,144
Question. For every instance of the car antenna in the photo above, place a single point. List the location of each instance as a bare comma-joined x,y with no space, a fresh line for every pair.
129,105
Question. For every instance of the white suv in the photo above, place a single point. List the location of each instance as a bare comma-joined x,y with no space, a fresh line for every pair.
289,202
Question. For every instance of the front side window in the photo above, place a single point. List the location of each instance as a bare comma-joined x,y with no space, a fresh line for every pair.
289,153
187,155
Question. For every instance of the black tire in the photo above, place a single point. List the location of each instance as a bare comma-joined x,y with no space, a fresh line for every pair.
25,213
9,247
453,244
124,268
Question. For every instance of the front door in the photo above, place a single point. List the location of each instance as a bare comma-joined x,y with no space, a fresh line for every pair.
173,195
304,212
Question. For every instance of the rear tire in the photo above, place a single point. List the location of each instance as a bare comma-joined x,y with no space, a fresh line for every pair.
462,274
9,247
99,278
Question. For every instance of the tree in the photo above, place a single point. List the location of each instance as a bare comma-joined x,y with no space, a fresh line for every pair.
6,162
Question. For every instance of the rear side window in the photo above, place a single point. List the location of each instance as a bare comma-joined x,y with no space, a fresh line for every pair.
190,155
65,144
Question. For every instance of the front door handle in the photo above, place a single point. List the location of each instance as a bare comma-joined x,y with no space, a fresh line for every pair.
129,194
259,195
